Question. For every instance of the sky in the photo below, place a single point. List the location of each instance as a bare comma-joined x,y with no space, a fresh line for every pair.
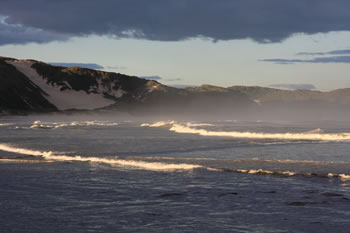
291,44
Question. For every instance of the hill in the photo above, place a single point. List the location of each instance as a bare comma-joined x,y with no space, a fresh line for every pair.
34,86
29,86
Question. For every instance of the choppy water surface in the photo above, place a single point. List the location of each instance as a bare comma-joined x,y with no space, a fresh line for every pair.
93,175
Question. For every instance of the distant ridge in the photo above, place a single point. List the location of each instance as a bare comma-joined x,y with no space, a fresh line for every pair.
29,86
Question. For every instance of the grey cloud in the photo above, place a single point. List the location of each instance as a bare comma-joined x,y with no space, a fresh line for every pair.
82,65
172,20
173,79
183,86
334,59
294,86
93,66
116,67
155,77
334,52
339,52
19,34
310,54
283,61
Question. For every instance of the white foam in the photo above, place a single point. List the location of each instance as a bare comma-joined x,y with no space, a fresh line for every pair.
344,177
63,100
133,163
316,131
179,128
341,176
8,148
158,124
57,125
40,126
152,166
288,173
171,123
5,124
100,123
266,172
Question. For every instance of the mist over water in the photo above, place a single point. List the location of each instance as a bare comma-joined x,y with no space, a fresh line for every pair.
172,174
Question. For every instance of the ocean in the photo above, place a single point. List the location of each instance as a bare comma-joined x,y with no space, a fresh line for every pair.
98,174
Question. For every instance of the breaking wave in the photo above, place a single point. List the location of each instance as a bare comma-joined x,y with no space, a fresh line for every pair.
171,123
158,124
255,166
5,124
178,128
57,125
153,166
314,135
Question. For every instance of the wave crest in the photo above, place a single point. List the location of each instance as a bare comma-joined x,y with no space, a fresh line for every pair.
5,124
152,166
158,124
171,123
191,128
253,166
57,125
179,128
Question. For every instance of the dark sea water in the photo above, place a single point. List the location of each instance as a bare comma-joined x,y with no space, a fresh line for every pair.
69,174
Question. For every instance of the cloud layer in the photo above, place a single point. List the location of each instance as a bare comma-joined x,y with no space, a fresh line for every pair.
334,52
172,20
157,78
299,86
19,34
93,66
333,59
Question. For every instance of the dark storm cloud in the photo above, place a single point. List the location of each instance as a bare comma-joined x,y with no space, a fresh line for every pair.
334,59
82,65
298,86
18,34
172,20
